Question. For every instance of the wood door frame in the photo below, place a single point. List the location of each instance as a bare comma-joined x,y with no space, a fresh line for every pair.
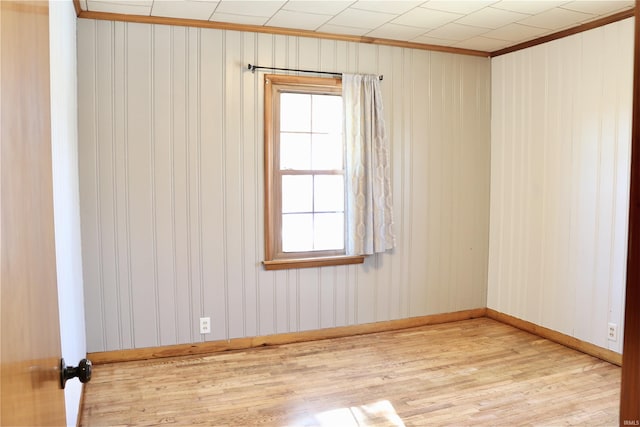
630,387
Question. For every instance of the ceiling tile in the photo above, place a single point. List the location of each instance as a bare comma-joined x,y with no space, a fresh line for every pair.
321,7
426,18
396,32
434,41
396,7
483,43
490,17
516,33
239,19
250,7
556,19
486,25
297,20
361,18
530,7
462,7
128,8
339,29
187,9
598,7
456,32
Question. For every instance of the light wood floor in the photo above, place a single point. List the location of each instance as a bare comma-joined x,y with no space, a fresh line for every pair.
474,372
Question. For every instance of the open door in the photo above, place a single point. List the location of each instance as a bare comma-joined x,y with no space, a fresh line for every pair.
30,332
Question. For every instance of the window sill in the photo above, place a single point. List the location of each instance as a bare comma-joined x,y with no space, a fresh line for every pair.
284,264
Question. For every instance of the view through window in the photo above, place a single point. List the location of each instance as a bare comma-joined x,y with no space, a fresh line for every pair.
312,172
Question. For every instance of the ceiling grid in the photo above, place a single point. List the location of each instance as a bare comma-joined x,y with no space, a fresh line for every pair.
481,25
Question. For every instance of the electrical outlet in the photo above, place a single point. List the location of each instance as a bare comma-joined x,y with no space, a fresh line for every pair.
612,332
205,325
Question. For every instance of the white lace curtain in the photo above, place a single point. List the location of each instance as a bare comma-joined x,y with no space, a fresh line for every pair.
369,201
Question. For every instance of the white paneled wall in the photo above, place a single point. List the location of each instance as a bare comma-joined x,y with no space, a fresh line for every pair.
171,167
560,151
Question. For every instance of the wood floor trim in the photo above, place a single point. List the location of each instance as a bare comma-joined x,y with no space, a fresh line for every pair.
208,347
558,337
103,357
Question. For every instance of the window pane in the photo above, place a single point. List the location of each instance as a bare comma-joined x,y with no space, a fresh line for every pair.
295,112
327,113
297,193
297,232
295,151
328,231
329,193
326,152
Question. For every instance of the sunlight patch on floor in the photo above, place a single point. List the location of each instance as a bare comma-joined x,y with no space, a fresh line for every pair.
363,415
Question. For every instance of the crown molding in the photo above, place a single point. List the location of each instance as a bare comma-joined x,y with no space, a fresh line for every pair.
143,19
568,32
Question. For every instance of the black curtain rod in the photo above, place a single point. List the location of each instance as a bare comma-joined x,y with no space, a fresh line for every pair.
253,68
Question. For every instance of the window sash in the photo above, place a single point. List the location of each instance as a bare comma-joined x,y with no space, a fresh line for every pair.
280,253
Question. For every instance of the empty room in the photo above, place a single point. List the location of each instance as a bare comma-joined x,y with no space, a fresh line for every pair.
330,213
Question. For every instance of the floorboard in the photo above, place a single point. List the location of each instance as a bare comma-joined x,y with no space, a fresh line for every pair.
479,372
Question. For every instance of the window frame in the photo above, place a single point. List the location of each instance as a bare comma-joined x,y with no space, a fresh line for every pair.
275,258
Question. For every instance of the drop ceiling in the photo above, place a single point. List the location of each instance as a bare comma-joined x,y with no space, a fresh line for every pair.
483,25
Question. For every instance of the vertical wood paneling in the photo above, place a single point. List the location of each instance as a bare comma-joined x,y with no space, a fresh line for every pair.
420,210
87,123
249,188
233,184
293,306
212,183
559,182
179,188
621,194
171,150
121,175
387,300
162,185
402,173
473,235
140,186
105,176
193,178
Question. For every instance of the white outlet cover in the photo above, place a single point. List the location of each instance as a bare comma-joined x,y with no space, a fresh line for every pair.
612,332
205,325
